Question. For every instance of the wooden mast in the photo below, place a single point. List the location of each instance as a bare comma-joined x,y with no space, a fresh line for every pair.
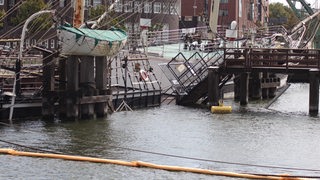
78,13
213,20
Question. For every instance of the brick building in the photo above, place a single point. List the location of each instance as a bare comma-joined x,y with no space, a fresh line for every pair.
248,13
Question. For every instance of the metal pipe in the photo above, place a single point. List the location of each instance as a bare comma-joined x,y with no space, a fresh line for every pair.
24,29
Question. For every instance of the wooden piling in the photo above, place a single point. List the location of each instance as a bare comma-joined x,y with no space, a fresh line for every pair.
265,91
102,74
72,92
62,87
244,87
314,92
87,85
48,86
272,90
236,88
255,86
213,86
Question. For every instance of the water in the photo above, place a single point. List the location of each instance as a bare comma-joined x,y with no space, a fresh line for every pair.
244,141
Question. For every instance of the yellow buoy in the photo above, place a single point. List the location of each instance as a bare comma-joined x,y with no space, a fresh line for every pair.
221,109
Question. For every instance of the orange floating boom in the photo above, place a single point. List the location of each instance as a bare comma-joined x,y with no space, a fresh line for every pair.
149,165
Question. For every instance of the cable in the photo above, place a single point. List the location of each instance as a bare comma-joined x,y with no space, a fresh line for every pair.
177,156
29,147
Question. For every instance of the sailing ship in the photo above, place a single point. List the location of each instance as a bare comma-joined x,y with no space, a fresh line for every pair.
82,42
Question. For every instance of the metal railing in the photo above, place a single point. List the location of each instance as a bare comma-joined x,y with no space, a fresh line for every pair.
187,72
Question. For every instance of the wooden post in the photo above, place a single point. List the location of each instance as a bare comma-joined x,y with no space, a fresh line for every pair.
87,85
102,82
72,93
265,91
213,86
62,88
255,86
314,92
48,87
244,87
236,88
272,90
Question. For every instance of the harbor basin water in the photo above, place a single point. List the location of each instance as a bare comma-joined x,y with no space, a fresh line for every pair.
283,139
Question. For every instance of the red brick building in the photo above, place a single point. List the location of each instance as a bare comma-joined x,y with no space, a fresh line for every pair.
248,13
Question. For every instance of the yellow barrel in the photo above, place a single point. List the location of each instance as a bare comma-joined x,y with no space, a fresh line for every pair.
221,109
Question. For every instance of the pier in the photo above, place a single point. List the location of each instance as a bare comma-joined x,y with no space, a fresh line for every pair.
259,63
78,87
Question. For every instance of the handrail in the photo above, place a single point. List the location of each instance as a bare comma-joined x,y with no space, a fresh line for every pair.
274,58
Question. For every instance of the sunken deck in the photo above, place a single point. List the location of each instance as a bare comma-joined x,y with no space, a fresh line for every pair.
134,83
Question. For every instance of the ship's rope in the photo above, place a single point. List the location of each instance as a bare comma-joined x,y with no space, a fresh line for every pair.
12,9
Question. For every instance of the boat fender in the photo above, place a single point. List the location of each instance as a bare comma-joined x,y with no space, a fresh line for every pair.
144,75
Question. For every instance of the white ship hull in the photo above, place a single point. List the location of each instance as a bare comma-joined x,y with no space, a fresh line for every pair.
90,42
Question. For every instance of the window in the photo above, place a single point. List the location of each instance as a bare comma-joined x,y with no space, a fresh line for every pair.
52,43
148,7
128,26
1,2
157,7
45,43
34,42
240,8
223,1
62,3
165,8
11,3
87,3
137,7
136,28
14,45
173,9
96,3
27,43
118,7
251,12
223,12
128,7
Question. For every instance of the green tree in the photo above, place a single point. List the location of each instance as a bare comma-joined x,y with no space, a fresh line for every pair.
28,8
111,20
96,12
278,10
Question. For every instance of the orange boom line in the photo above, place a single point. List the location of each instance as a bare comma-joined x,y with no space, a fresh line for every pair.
149,165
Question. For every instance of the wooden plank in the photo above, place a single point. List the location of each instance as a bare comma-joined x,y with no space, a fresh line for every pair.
95,99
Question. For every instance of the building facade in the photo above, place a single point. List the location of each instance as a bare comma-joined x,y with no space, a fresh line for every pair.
158,12
249,14
163,14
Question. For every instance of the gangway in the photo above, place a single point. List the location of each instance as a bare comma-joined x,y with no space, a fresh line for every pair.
189,76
